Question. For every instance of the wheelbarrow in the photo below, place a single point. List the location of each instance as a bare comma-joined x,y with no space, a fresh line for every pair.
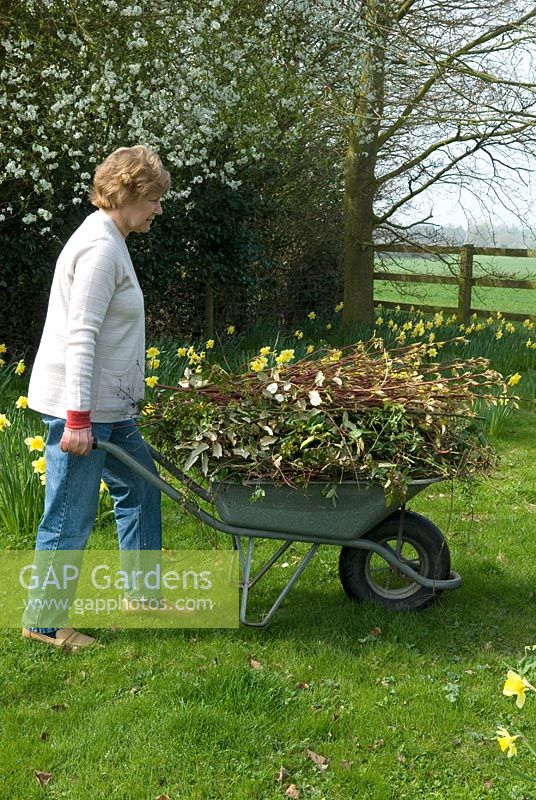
390,556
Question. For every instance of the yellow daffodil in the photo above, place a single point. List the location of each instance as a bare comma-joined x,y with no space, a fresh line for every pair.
181,352
4,423
499,334
20,368
311,315
418,329
199,369
432,352
379,321
516,685
510,328
3,348
334,355
298,334
2,362
151,381
154,363
103,487
231,329
339,307
39,465
431,338
507,742
148,410
43,479
264,351
310,348
329,326
152,352
35,443
22,402
285,356
210,344
526,324
514,379
498,315
438,320
397,308
259,363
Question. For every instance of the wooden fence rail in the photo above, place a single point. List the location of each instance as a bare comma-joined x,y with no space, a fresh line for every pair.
465,279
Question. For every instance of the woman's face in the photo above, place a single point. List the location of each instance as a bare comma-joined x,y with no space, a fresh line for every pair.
137,216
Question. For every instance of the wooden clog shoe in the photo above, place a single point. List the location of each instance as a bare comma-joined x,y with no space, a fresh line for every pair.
66,638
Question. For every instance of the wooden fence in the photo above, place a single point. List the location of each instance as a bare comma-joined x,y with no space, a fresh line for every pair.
464,281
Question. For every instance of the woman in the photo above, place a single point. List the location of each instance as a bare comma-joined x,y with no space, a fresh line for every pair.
88,376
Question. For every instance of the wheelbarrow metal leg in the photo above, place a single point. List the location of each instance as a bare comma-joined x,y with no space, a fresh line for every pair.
247,582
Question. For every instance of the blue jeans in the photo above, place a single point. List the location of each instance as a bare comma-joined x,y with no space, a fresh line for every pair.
72,495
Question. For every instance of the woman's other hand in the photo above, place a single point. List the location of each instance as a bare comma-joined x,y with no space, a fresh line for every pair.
78,442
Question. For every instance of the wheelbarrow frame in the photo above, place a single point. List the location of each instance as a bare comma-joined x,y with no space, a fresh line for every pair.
250,534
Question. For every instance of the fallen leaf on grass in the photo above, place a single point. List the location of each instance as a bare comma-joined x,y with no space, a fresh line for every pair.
377,745
58,707
254,664
162,797
346,764
320,761
134,691
282,774
292,791
375,631
44,736
43,778
488,785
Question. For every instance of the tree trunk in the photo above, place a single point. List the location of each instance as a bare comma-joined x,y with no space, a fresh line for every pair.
208,331
360,183
358,244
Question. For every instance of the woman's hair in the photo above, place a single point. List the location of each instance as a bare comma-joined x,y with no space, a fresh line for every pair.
128,174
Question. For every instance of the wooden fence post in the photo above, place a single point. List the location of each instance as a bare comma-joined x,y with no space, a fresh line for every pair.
465,283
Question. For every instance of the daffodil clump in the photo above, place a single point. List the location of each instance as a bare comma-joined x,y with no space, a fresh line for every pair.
357,413
517,685
401,327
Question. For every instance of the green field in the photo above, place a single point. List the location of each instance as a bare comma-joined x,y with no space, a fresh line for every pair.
520,301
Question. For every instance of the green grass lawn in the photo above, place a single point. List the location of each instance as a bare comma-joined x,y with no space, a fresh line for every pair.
408,713
521,301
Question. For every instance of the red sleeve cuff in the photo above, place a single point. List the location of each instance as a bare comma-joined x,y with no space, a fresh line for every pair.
76,420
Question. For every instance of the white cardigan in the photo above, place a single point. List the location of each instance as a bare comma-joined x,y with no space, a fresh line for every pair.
92,352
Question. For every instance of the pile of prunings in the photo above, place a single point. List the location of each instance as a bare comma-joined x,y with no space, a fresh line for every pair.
361,413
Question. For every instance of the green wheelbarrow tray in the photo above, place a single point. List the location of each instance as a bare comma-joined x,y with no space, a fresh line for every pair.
388,555
356,508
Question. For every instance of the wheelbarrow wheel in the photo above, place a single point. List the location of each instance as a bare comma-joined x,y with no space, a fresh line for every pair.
365,575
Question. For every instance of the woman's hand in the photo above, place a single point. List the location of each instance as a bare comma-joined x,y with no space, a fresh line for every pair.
78,442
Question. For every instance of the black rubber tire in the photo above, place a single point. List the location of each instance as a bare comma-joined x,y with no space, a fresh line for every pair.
367,576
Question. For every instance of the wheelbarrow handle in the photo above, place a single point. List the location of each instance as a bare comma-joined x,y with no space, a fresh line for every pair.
139,469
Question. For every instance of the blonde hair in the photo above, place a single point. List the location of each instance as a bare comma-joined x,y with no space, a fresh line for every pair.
128,174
